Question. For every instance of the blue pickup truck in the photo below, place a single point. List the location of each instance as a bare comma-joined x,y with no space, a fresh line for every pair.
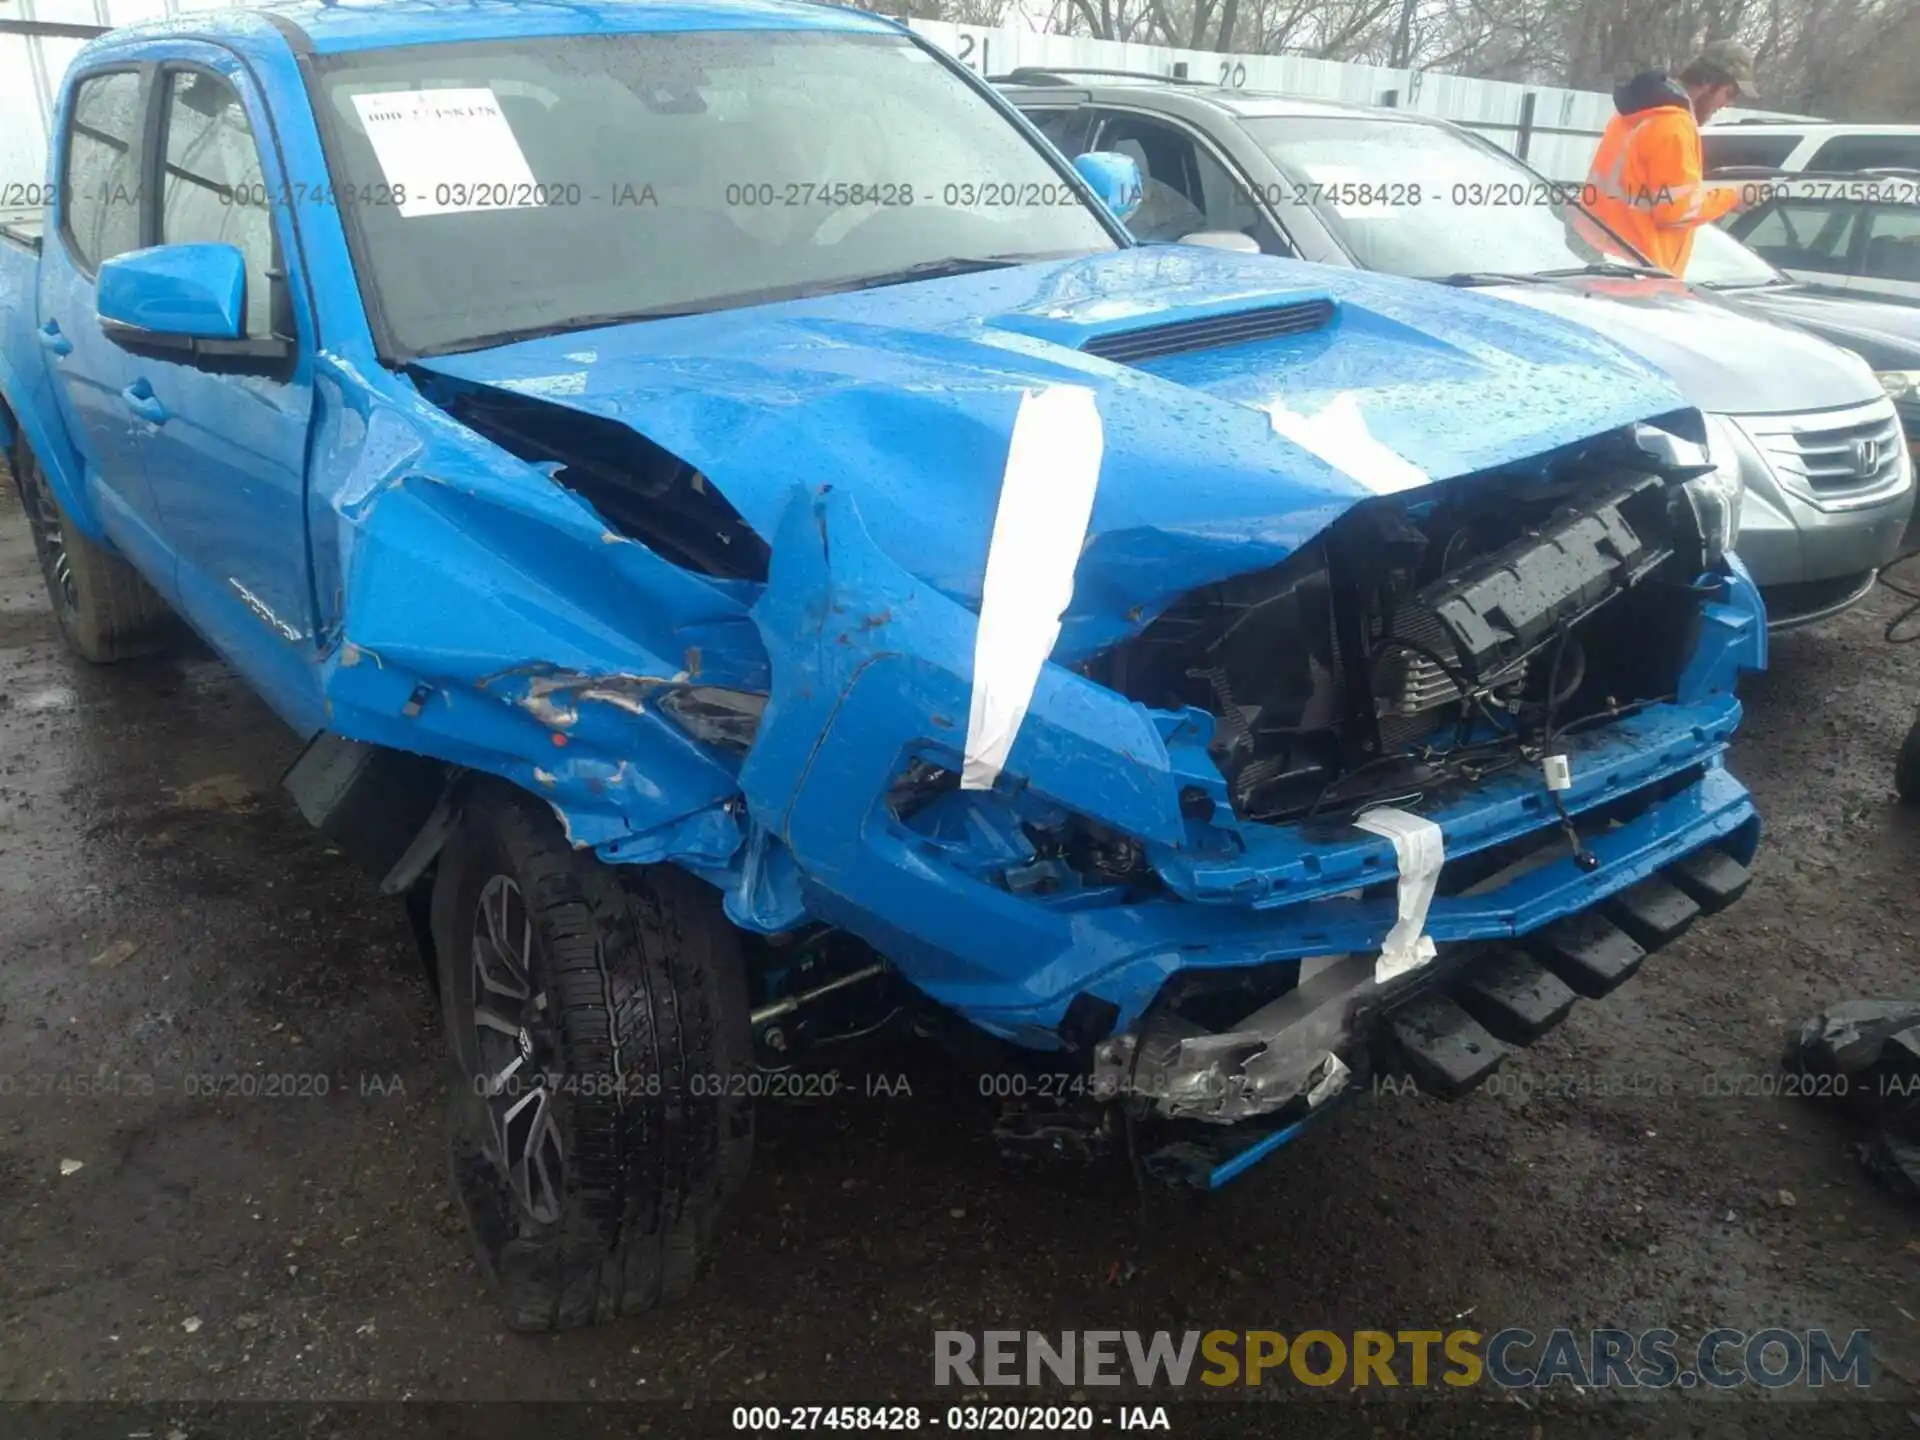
753,547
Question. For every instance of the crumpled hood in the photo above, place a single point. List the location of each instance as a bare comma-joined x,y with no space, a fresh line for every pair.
1723,358
905,397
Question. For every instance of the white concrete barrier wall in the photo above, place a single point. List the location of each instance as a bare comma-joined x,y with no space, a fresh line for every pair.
31,69
1492,106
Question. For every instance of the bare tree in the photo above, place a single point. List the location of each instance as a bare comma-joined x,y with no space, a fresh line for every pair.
1845,58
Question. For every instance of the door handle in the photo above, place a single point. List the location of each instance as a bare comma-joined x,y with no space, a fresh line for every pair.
52,339
144,403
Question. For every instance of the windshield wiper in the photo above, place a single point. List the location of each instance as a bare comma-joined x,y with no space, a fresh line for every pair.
925,270
1618,269
558,327
1467,279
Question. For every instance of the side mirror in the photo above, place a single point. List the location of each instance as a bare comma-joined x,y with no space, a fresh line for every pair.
1115,178
187,303
1223,240
197,292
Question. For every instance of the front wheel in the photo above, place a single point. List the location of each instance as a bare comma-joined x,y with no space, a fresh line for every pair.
597,1020
106,611
1906,769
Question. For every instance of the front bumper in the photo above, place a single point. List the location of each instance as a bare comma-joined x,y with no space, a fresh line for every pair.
1230,1097
1810,563
871,672
1813,553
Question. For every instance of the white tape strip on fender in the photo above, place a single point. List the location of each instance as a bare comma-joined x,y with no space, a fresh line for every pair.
1338,434
1046,497
1419,851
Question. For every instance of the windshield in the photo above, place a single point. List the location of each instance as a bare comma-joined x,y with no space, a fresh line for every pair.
1422,200
501,189
1721,262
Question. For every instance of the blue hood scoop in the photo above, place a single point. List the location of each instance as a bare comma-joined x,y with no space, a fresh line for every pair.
1211,332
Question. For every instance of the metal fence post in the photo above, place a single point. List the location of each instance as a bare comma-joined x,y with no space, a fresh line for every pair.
1525,140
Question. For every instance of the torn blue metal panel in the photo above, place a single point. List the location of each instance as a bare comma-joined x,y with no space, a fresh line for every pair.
477,612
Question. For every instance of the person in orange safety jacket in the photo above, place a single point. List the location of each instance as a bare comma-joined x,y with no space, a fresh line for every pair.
1646,182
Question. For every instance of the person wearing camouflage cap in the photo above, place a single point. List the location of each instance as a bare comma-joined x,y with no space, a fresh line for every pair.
1646,180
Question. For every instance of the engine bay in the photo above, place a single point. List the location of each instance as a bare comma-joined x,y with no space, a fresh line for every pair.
1430,638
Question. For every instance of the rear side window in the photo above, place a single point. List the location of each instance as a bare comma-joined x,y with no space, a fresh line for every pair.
214,191
1868,152
1766,151
1893,244
100,199
1173,200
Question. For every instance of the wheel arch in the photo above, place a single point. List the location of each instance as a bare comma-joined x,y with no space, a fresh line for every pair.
26,423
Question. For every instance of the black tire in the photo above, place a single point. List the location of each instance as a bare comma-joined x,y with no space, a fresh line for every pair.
1906,770
106,611
632,1040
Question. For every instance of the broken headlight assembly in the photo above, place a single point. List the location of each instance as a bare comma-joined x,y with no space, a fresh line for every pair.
1428,640
1715,497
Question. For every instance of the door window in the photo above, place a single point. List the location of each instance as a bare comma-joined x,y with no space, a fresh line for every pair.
1171,203
1893,244
100,203
214,190
1802,234
1184,187
1766,151
1868,152
1067,129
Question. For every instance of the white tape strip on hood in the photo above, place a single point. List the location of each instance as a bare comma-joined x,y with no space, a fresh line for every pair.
1419,850
1338,434
1046,498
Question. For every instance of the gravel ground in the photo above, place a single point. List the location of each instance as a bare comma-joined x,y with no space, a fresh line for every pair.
165,914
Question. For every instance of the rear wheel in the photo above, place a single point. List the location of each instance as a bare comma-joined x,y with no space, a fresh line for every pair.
597,1020
106,611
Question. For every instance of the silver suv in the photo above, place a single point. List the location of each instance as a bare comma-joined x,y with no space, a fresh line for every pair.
1805,426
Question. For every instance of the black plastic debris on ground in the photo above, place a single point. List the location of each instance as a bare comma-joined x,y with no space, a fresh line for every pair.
1870,1050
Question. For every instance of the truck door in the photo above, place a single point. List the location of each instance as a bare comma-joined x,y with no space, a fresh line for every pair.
98,215
225,440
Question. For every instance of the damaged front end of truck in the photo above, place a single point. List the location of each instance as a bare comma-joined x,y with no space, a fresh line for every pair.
1217,702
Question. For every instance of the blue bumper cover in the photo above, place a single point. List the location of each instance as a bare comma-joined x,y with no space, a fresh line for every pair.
862,655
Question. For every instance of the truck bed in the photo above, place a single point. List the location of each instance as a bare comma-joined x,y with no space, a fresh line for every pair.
22,362
22,227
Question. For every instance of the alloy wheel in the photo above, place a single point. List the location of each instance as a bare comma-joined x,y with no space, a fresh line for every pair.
43,514
517,1070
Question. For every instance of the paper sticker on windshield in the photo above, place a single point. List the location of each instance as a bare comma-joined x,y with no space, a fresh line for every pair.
447,150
